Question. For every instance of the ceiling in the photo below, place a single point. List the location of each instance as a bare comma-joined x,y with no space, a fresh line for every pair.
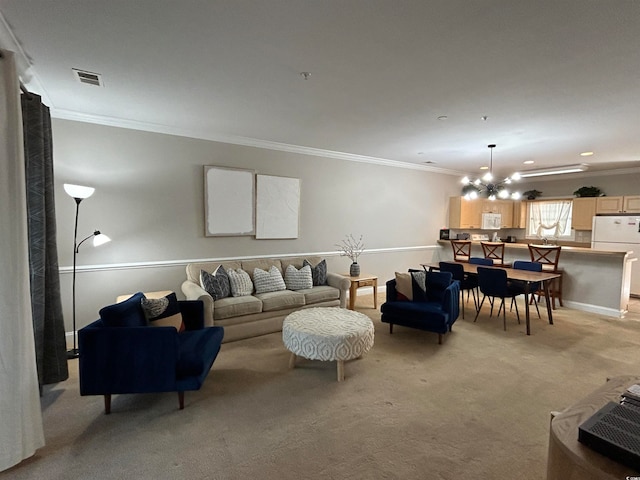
553,78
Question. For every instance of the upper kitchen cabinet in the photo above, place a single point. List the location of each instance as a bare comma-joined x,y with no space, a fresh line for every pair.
626,204
584,208
464,213
520,214
503,207
468,213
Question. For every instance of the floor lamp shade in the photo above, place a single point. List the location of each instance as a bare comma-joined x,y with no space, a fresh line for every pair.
78,193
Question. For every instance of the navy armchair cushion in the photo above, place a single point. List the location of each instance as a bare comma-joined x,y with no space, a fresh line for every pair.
128,313
437,283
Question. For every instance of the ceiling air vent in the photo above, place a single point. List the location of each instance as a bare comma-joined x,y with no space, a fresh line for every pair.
89,78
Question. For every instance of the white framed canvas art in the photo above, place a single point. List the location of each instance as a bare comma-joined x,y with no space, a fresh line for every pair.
277,207
229,201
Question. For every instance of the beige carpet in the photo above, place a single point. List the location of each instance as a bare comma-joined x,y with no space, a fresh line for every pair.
475,407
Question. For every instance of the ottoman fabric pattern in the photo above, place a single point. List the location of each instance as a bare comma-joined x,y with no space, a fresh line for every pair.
328,334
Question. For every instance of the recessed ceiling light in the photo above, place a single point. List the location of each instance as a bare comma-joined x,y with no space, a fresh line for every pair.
484,118
443,117
586,154
305,75
528,162
484,168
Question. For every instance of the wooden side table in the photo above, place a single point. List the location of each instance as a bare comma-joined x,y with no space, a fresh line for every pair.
363,280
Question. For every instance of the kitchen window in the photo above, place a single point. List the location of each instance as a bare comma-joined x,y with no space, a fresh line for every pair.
550,219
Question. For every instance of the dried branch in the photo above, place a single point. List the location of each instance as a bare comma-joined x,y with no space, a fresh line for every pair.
351,248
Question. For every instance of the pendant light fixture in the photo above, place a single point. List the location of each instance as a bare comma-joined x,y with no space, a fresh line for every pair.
487,187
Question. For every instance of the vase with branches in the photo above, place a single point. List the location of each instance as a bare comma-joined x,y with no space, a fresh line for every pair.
352,248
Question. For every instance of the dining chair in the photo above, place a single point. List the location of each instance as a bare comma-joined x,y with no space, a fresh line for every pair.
487,262
494,251
534,287
461,250
467,282
549,256
493,283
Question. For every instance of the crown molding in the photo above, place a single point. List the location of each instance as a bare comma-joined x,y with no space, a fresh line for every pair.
26,73
239,140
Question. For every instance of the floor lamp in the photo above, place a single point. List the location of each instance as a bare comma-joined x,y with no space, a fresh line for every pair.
79,193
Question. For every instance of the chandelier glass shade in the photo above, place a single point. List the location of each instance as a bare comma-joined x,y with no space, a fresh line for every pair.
487,187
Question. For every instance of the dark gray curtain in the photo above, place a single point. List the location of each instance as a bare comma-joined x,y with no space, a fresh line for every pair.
48,322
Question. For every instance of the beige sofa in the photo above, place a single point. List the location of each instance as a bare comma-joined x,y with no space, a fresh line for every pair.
259,314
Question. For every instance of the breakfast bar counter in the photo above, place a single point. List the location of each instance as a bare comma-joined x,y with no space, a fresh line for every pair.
595,281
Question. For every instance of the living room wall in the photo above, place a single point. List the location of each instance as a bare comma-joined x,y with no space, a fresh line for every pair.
149,199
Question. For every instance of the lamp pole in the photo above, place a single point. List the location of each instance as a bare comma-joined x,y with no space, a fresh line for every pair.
73,353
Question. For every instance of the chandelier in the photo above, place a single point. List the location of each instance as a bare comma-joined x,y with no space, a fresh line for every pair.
487,187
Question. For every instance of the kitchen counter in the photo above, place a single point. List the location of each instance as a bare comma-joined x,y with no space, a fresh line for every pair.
581,248
595,281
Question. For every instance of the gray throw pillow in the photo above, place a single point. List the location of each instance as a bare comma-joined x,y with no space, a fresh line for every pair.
217,283
241,284
270,281
318,273
298,279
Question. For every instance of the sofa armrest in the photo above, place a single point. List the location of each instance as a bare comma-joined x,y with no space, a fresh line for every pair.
127,359
193,291
391,293
451,300
342,283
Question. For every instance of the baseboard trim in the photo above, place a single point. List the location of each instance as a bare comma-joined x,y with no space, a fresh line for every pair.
597,309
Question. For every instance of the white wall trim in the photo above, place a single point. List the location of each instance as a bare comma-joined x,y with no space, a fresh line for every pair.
185,262
587,307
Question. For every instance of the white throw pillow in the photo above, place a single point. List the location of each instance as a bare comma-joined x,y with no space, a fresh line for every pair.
240,281
270,281
296,279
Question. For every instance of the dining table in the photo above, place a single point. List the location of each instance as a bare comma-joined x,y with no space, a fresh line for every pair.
526,276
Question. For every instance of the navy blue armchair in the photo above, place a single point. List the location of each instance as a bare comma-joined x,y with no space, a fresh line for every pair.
435,312
120,353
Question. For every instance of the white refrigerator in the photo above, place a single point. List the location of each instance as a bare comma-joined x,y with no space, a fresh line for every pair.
620,234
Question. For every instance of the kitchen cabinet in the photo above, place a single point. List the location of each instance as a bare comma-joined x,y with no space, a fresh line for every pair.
582,212
468,213
503,207
624,204
465,213
520,214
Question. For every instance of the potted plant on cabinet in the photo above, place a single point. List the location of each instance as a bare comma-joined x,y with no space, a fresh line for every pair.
532,194
587,192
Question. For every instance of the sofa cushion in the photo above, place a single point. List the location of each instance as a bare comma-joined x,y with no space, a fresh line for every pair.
298,279
404,286
280,300
128,313
270,281
163,312
240,282
318,272
217,283
322,293
236,306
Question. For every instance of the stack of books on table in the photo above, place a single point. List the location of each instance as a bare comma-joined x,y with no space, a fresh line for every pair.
631,396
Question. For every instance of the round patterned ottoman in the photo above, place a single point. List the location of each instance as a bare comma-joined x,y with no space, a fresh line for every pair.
327,333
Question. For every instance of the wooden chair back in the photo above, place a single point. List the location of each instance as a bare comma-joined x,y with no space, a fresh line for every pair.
494,251
547,255
461,250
